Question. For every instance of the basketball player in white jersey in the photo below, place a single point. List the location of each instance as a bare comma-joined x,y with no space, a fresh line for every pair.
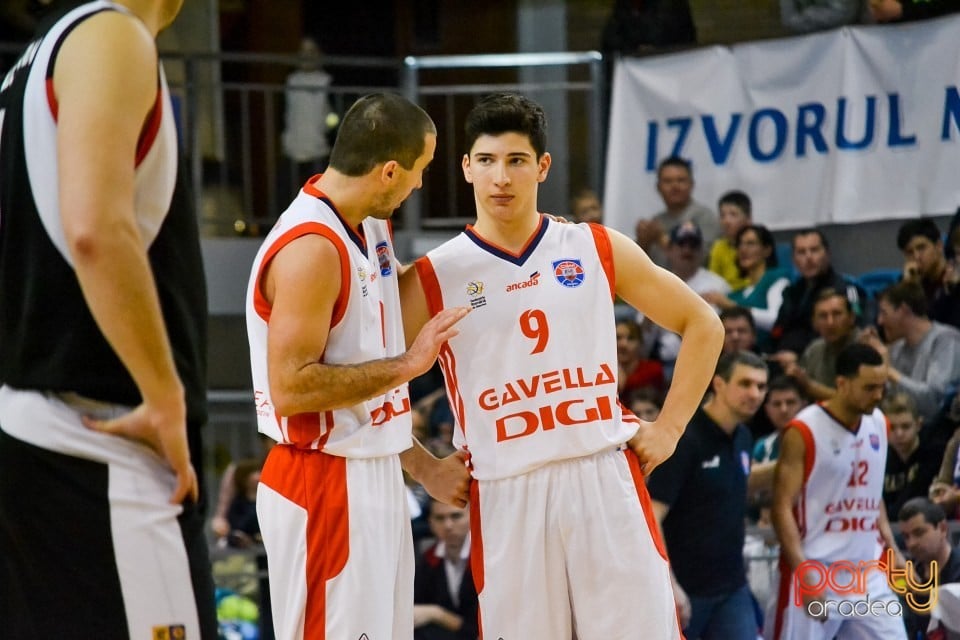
102,339
330,374
829,514
563,541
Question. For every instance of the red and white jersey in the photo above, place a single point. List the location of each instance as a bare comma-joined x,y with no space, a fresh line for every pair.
532,375
366,325
842,491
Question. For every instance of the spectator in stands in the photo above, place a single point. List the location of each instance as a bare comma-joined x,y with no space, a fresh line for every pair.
585,206
685,259
242,513
637,27
793,330
945,489
784,399
926,264
740,333
635,372
912,464
735,212
645,403
219,522
763,295
816,369
906,10
926,537
444,596
706,481
675,184
806,16
924,356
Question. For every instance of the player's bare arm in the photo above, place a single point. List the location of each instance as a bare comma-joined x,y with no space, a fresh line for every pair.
450,475
445,479
646,287
886,533
301,311
787,484
104,96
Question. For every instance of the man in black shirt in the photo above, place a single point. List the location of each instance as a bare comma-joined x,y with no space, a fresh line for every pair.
793,330
705,484
923,526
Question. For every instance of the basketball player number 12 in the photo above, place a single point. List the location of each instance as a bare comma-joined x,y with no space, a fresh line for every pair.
533,324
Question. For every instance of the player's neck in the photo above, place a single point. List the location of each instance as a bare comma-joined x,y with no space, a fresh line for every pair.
721,415
848,417
348,194
511,234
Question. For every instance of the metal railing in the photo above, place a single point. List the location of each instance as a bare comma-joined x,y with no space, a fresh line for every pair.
231,119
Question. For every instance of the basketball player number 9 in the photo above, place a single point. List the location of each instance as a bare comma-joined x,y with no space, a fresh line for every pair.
533,324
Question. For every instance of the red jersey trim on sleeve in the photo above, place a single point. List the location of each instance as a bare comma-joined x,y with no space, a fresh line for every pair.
263,308
430,284
605,251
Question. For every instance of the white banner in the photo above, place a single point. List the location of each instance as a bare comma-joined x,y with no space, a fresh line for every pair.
844,126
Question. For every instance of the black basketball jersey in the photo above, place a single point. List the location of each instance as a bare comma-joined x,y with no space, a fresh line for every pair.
49,340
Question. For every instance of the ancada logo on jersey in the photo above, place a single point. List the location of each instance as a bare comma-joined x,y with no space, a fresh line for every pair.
532,281
568,272
383,257
875,442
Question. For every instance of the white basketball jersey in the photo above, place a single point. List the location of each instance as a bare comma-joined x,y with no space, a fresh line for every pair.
366,325
842,492
532,376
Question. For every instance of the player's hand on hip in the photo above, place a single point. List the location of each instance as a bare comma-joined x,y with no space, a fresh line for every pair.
652,445
440,328
449,479
163,428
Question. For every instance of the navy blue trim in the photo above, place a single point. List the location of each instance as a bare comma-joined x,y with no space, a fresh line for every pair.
509,257
852,431
354,234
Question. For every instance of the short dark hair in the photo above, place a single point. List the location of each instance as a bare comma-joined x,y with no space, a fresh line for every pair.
931,511
378,128
645,394
738,199
806,232
784,382
732,313
919,227
632,326
728,362
900,402
854,356
675,161
766,240
829,292
906,292
500,113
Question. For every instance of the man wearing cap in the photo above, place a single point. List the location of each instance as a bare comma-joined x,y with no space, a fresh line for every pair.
685,260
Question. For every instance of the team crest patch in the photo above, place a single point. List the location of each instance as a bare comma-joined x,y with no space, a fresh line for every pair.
568,272
745,461
171,632
383,257
475,293
875,442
